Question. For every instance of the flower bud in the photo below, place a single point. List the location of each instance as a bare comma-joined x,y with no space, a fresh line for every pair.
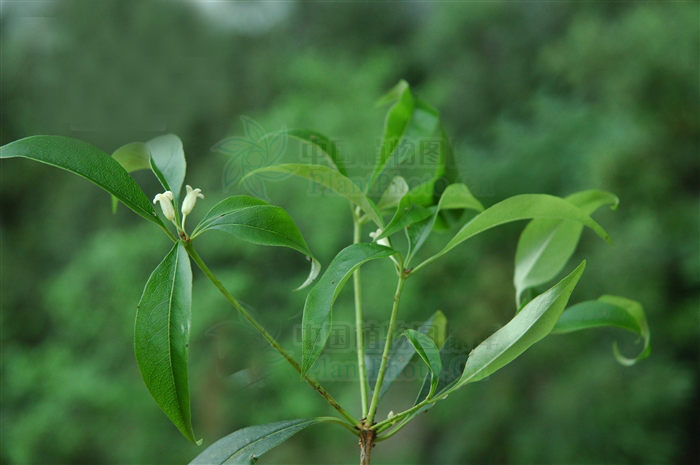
190,199
166,204
383,241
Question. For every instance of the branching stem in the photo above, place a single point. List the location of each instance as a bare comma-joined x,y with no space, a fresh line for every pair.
385,353
359,326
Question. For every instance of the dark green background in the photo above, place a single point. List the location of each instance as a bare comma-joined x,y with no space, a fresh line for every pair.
538,97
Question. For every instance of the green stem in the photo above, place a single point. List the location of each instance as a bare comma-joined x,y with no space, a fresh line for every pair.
382,425
342,423
167,231
385,354
357,285
198,260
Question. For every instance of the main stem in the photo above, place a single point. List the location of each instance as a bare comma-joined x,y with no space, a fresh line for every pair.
359,326
198,260
385,354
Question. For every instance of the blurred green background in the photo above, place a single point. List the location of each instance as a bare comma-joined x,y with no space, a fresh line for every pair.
538,97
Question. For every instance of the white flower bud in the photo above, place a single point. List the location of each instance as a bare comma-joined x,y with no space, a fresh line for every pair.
166,204
377,233
190,199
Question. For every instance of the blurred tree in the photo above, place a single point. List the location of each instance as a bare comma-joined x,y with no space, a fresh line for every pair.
538,97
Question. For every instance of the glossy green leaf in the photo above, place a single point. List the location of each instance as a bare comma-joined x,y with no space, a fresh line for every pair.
316,323
168,162
608,311
534,322
245,446
256,221
323,144
401,353
521,207
331,179
456,196
162,335
87,161
408,122
546,245
428,351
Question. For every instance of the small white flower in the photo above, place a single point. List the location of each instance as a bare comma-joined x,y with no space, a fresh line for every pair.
166,204
190,199
377,233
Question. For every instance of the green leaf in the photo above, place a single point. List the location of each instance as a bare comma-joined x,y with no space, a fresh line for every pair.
133,157
245,446
87,161
520,207
546,245
452,358
456,196
410,210
407,122
316,323
319,141
612,311
331,179
256,221
400,353
534,322
428,351
393,194
168,162
162,335
446,173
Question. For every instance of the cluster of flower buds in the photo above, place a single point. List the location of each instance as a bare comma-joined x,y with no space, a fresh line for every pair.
167,198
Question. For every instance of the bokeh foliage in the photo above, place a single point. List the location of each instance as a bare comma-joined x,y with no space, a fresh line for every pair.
538,97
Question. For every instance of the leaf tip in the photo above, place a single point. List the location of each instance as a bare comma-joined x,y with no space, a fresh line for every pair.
313,274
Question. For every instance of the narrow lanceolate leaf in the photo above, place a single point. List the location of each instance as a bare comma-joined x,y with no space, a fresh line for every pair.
322,145
162,334
546,245
534,322
256,221
87,161
408,122
428,351
331,179
402,352
608,311
245,446
521,207
456,196
316,323
168,162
